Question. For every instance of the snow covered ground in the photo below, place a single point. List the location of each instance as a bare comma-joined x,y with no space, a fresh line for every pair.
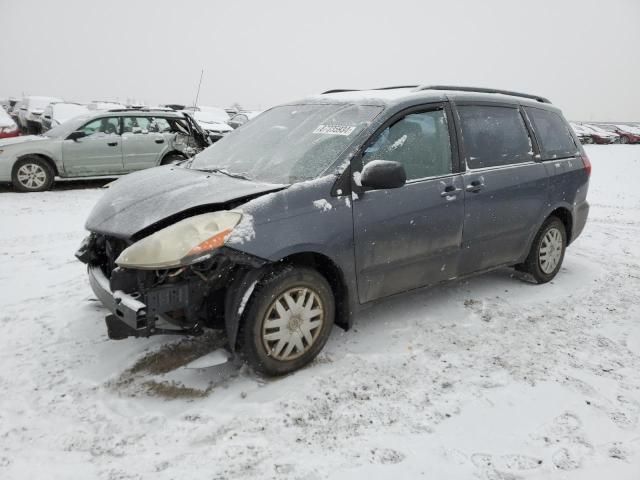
489,378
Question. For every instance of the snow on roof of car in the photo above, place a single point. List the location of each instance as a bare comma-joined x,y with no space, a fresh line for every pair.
364,95
41,102
208,114
393,95
600,130
65,111
5,119
629,128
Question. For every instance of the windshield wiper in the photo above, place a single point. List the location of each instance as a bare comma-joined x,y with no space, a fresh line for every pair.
224,172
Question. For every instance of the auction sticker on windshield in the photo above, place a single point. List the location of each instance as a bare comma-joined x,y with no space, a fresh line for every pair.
335,129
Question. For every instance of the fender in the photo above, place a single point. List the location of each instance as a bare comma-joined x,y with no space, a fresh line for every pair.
541,220
234,296
58,167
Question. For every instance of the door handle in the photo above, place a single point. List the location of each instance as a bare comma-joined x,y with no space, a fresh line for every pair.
475,186
450,190
112,144
160,140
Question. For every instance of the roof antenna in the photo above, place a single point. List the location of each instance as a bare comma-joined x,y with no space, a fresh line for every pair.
195,103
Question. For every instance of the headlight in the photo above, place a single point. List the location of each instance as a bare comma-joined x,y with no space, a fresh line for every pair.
189,241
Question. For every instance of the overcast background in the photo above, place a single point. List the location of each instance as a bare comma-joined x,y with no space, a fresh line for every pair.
582,54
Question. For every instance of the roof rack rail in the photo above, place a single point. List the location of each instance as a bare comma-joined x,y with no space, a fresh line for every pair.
537,98
396,86
340,90
145,109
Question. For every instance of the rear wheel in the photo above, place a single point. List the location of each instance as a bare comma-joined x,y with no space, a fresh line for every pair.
287,321
32,174
547,252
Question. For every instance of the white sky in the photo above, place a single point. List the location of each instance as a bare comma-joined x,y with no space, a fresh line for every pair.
582,54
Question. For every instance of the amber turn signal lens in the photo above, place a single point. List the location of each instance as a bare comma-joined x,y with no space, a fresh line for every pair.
214,242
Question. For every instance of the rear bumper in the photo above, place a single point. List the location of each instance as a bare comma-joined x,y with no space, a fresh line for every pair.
580,214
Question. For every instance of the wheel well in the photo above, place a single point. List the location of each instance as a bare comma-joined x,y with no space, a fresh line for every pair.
42,157
172,152
565,216
334,276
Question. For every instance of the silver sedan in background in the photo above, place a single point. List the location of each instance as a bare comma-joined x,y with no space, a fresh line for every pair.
107,143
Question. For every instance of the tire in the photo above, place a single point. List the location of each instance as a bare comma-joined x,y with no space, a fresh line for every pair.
624,139
271,346
172,158
32,174
550,243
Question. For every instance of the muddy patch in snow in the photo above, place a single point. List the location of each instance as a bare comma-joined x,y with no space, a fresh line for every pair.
158,373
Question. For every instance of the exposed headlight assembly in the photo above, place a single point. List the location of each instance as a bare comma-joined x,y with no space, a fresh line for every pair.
186,242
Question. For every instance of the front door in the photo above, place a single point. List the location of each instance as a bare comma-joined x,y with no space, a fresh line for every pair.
410,236
98,153
505,188
142,142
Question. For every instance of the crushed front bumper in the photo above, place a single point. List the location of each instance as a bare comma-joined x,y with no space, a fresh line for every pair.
130,316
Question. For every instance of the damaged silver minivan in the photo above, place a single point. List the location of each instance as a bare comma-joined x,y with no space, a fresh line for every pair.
318,207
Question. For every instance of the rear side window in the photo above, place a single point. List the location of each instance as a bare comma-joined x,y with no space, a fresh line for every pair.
553,134
494,136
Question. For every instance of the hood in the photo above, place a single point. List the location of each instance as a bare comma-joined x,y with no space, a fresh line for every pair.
23,139
146,198
216,126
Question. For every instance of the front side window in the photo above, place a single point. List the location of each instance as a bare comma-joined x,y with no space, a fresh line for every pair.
494,136
419,141
552,133
106,126
290,143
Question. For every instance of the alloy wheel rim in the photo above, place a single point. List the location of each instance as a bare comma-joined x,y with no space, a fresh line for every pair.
550,250
31,175
293,323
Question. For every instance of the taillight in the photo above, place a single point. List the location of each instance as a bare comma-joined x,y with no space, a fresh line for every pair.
587,164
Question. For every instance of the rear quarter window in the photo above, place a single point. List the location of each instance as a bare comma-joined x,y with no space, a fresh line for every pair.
494,136
553,134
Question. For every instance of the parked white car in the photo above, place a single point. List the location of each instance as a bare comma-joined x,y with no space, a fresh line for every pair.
100,105
241,118
30,113
58,113
583,133
212,120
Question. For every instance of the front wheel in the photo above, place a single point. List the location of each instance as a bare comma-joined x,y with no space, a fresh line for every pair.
624,139
32,174
287,321
547,252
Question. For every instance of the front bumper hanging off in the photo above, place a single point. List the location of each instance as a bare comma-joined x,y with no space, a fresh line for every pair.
130,317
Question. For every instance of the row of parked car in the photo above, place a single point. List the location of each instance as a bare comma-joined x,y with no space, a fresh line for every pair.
34,115
607,133
67,140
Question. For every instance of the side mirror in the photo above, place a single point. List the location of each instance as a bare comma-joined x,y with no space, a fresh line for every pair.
382,174
76,135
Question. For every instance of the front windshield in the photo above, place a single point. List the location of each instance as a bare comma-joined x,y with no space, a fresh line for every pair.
288,144
67,127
